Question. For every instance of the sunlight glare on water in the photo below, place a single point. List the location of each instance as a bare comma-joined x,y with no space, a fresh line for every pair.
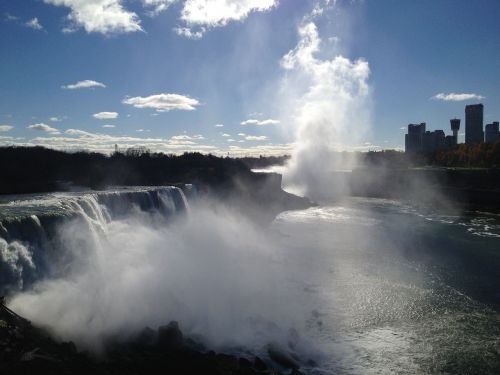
389,302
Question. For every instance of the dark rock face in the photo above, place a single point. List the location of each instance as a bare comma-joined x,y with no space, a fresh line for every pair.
25,349
259,364
281,357
170,336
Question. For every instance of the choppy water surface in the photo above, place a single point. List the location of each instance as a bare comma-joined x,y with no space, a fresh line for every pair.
396,290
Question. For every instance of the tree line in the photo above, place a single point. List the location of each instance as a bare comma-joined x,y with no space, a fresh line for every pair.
39,169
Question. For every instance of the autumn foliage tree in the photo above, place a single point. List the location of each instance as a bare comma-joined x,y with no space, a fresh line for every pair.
481,155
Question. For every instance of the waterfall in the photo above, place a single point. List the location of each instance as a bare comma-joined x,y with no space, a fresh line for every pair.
31,245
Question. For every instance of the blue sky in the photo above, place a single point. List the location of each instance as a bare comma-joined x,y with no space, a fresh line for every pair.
78,74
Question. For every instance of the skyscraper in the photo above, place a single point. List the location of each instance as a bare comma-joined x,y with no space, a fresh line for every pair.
455,127
474,124
413,140
492,133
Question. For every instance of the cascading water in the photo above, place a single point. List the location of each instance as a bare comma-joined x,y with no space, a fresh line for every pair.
31,247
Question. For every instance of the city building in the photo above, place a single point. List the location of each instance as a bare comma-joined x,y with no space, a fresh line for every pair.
455,127
492,133
433,141
474,124
420,140
414,138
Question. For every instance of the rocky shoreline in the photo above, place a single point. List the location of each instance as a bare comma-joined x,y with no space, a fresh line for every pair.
26,349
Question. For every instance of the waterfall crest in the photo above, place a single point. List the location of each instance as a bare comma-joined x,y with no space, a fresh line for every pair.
31,245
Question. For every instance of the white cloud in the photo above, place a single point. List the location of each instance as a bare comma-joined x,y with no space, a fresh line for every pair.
182,142
219,125
10,17
231,140
105,115
266,149
163,102
6,128
55,119
34,24
109,126
80,133
260,122
225,135
269,122
189,33
99,16
241,134
113,17
86,84
157,6
214,13
187,137
250,122
44,128
317,11
255,137
456,97
181,137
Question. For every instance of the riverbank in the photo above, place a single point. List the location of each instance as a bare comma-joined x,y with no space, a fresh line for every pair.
466,188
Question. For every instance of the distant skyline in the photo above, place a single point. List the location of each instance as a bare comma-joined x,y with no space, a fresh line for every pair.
193,75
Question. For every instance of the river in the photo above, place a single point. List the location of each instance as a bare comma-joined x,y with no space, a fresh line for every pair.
362,286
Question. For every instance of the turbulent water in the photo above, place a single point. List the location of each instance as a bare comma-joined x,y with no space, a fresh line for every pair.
362,286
